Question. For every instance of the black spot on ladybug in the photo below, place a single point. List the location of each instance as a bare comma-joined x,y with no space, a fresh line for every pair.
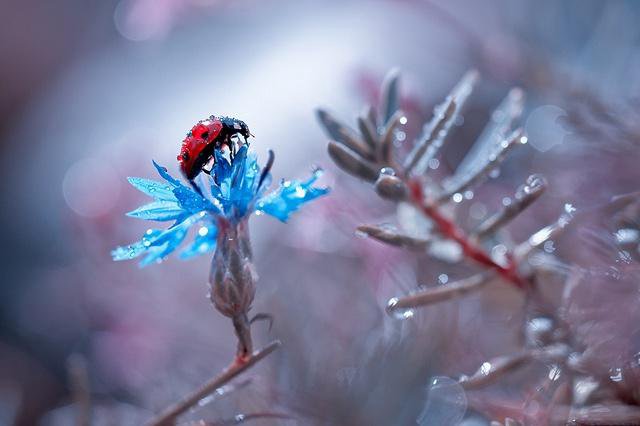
185,156
205,135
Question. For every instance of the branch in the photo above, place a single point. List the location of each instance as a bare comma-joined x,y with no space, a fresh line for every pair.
168,416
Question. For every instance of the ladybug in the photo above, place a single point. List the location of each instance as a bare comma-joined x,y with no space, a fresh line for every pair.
207,136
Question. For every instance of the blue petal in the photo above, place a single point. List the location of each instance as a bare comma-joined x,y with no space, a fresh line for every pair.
158,210
234,185
290,196
188,199
162,171
155,189
193,202
157,243
128,252
205,241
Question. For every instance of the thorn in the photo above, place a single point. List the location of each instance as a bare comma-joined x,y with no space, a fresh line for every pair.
267,169
262,317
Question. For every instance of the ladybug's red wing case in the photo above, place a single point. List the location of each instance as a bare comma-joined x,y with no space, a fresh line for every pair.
198,146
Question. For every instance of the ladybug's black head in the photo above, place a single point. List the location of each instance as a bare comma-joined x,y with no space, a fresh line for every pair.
244,129
234,126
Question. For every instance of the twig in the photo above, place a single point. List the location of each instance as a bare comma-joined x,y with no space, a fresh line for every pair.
168,416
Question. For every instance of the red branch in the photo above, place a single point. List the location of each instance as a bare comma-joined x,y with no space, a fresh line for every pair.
450,230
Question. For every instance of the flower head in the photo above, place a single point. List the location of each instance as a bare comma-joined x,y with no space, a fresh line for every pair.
234,189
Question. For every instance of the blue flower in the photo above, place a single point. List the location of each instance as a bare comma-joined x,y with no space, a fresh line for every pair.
232,191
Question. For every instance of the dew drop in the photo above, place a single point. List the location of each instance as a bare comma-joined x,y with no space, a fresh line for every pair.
506,201
400,135
554,373
494,173
499,254
443,278
627,236
446,403
398,313
457,197
387,171
361,234
615,374
403,120
434,163
468,195
485,368
300,192
569,208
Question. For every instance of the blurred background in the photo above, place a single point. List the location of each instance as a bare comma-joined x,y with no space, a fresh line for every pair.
92,91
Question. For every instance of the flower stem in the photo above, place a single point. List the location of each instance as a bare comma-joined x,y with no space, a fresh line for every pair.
169,416
243,331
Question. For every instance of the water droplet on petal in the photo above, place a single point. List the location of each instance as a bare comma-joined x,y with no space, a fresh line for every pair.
457,197
434,163
300,192
443,278
446,403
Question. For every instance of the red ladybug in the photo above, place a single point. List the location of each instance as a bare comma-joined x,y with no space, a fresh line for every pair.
204,138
